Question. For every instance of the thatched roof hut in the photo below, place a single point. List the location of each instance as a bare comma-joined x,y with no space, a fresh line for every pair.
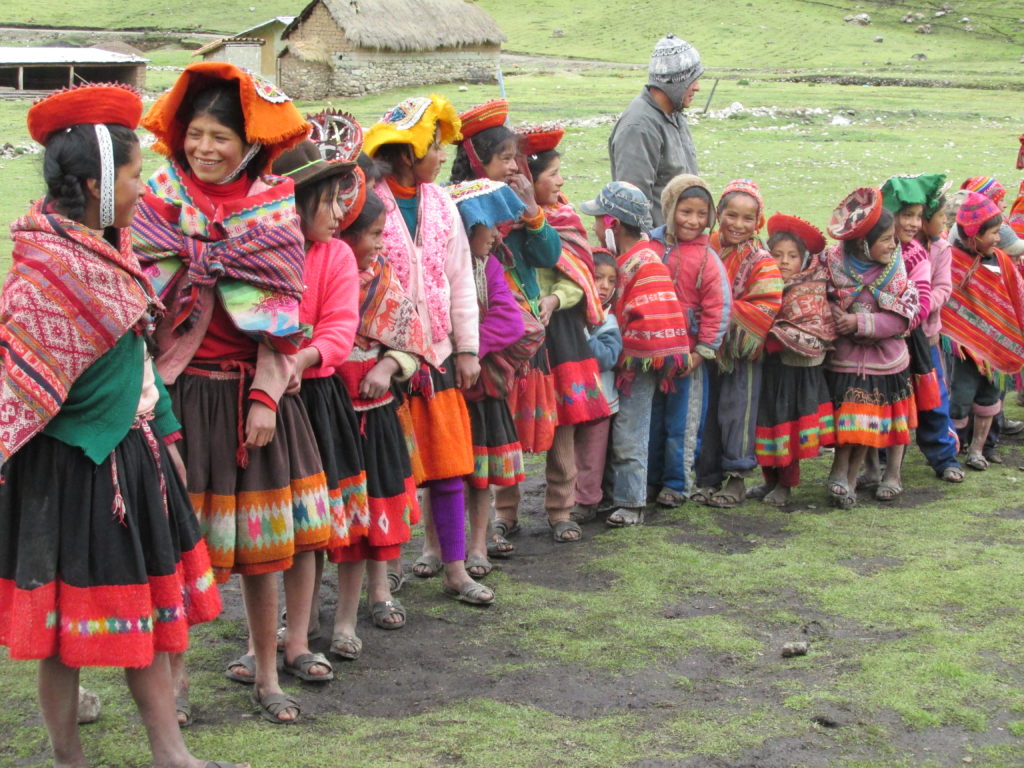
362,46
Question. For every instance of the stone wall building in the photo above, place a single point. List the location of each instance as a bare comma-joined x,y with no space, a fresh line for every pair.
353,47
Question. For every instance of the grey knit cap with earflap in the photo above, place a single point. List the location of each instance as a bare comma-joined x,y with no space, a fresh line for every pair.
675,64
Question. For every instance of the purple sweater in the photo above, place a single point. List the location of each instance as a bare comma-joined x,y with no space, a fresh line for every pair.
501,323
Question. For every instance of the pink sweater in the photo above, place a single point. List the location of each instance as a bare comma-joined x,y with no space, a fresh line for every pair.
940,254
330,304
919,269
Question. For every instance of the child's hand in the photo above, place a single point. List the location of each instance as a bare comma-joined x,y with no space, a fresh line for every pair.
467,371
522,187
846,322
376,382
259,426
695,361
548,306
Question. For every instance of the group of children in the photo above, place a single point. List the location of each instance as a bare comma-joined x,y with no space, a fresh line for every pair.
292,344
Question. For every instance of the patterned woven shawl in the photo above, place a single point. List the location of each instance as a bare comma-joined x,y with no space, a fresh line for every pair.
651,319
387,315
892,288
984,315
576,261
804,324
252,250
756,298
69,297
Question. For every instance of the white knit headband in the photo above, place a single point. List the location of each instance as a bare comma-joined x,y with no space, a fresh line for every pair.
107,176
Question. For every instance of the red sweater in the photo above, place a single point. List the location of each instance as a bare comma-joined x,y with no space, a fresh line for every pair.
330,304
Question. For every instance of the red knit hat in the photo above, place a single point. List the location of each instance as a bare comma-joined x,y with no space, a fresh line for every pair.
480,118
747,187
534,139
857,214
106,103
975,210
811,236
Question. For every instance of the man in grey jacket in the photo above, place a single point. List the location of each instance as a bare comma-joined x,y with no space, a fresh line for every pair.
651,142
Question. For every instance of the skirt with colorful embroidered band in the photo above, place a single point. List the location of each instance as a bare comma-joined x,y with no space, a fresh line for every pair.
578,395
877,411
82,582
392,508
794,415
533,405
257,507
335,425
441,422
497,454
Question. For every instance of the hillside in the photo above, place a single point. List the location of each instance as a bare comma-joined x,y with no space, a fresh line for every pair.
772,34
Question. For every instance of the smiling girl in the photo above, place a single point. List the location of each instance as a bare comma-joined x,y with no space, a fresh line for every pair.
873,304
225,247
727,452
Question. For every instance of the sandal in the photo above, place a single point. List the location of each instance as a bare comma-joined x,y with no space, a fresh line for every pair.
395,580
561,531
183,709
500,547
722,500
887,491
426,567
301,665
842,496
583,513
385,610
758,492
246,662
346,646
864,483
669,497
470,592
273,704
702,495
977,461
478,567
506,528
953,474
623,517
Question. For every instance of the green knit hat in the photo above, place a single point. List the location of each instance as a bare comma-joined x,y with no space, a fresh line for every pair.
924,189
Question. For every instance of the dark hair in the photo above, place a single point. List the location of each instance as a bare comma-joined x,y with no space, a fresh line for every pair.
371,169
486,143
72,156
387,157
783,237
373,207
729,196
308,197
541,161
987,224
221,102
630,230
604,257
885,221
940,207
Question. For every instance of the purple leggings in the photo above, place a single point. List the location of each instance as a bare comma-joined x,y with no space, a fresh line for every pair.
448,511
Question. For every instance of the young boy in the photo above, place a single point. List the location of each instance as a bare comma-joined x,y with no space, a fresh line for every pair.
654,346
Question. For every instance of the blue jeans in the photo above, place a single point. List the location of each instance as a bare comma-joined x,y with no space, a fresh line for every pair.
936,436
677,421
630,437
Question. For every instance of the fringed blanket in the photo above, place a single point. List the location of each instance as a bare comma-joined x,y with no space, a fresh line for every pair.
651,319
69,297
576,261
756,298
891,287
252,250
386,314
984,316
804,324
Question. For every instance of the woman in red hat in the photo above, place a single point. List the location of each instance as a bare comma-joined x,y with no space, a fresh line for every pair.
103,563
225,248
873,302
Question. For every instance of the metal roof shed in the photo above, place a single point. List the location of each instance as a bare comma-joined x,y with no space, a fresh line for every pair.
47,69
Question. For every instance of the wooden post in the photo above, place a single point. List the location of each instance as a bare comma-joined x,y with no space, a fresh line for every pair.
21,78
71,76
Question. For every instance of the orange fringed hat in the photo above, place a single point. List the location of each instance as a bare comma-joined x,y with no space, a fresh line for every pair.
534,139
488,115
271,118
811,236
106,103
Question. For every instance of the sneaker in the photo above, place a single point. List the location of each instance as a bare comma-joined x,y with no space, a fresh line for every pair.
1012,427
